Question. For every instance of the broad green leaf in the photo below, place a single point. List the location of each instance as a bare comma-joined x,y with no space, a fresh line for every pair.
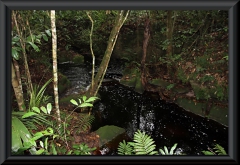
15,54
39,36
166,150
43,109
31,38
207,153
80,101
28,114
45,37
49,108
54,136
16,141
41,144
36,109
46,143
19,133
35,47
84,98
54,149
74,102
173,148
86,105
15,39
37,136
48,32
162,152
48,131
38,41
39,152
91,99
32,142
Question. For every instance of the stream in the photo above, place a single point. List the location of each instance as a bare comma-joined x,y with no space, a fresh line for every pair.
166,123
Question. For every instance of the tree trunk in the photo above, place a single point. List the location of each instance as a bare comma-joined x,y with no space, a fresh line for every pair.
144,55
18,91
169,32
29,82
54,55
120,19
18,74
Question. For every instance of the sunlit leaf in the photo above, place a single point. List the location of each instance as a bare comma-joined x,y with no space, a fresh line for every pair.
84,98
36,109
28,114
74,102
43,109
41,144
91,99
46,143
49,108
39,152
86,105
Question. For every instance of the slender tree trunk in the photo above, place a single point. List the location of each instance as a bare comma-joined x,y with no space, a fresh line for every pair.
18,91
169,32
93,56
120,19
18,74
144,55
54,55
29,82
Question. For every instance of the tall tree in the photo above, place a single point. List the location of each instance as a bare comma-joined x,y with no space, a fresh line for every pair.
120,19
144,55
23,45
54,56
169,32
17,90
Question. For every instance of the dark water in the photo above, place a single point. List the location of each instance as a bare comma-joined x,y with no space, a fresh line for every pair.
166,123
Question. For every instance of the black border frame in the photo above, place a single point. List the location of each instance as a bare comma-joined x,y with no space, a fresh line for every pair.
5,116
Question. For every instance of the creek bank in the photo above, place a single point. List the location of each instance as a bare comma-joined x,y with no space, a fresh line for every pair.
184,96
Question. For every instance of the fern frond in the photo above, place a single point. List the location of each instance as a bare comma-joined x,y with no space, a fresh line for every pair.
219,149
85,122
124,148
166,152
143,144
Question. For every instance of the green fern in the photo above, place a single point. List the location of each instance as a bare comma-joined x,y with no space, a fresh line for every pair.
142,145
219,150
84,122
166,152
125,148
